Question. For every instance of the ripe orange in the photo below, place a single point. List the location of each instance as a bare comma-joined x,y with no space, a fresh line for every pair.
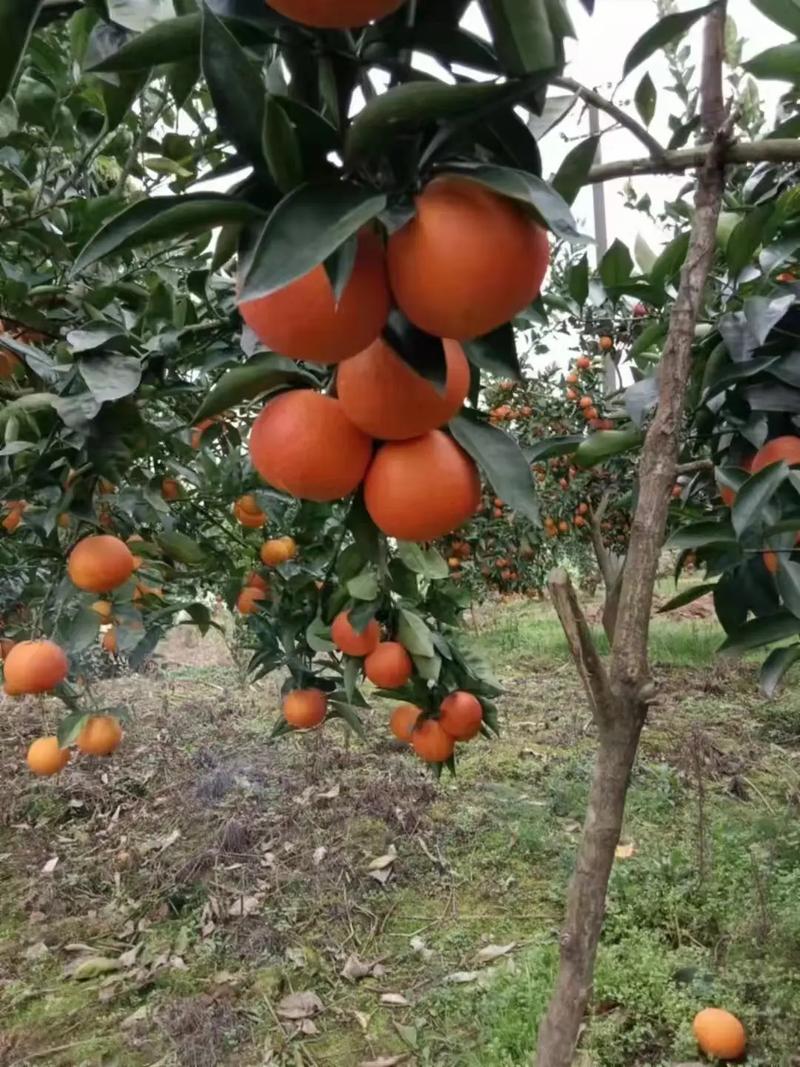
335,14
304,321
249,600
770,561
103,608
583,508
34,667
109,641
389,666
99,564
385,398
64,520
571,379
461,715
585,402
403,720
421,489
303,443
563,526
100,736
200,429
719,1034
579,520
348,640
590,414
277,551
170,489
305,708
605,344
468,261
248,512
786,448
46,757
454,563
431,743
12,520
255,581
583,362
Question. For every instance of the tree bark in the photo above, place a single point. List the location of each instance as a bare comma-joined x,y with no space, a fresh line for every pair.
627,689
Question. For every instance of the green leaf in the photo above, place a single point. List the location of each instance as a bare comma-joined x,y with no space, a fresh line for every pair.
423,352
788,580
528,34
160,218
781,63
304,229
700,534
755,494
616,266
260,374
412,106
83,630
663,32
573,173
350,675
425,561
496,352
70,726
785,13
281,146
746,237
645,99
501,460
180,547
111,376
553,446
775,667
578,280
368,539
169,41
687,596
763,631
236,88
413,634
365,585
599,446
546,201
347,713
17,19
318,635
670,261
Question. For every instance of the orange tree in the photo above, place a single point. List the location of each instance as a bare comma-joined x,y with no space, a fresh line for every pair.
380,230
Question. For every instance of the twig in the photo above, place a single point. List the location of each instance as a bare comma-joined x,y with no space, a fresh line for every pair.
695,466
779,150
589,96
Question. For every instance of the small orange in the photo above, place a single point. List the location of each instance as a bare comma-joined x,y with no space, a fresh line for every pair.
170,489
46,757
249,600
389,666
100,736
785,448
278,550
64,520
572,379
100,563
431,743
585,402
109,641
103,608
583,362
348,640
246,510
461,714
403,720
305,708
719,1034
605,344
255,581
770,561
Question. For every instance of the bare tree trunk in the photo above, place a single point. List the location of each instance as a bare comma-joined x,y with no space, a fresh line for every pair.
620,698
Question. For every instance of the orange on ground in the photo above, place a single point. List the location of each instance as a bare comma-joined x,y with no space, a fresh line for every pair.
389,666
348,640
100,736
305,708
461,715
468,261
719,1034
278,550
335,14
304,321
304,444
770,561
431,743
422,489
249,600
403,720
170,489
109,641
34,667
386,399
99,564
46,757
779,448
103,608
255,581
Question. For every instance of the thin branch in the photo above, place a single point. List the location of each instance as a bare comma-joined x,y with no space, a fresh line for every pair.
777,150
695,466
589,96
600,550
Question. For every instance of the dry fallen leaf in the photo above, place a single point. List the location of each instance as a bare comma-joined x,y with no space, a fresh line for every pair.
419,946
37,951
395,1000
304,798
330,794
624,852
381,876
135,1017
93,967
50,866
319,855
462,977
244,906
386,860
127,959
362,1019
385,1061
494,952
355,968
299,1006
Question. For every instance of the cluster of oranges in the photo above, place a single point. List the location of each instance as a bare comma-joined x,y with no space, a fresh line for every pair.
255,588
575,391
418,483
507,413
434,739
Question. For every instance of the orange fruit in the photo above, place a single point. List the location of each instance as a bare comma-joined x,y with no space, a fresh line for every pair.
385,398
389,666
99,564
34,667
461,715
779,448
304,321
12,520
170,489
249,600
605,344
572,379
303,443
431,743
46,757
100,735
563,526
277,551
104,608
335,14
583,362
200,429
422,489
109,641
719,1034
9,365
305,708
590,414
348,640
770,561
403,720
248,512
468,261
64,520
255,581
585,402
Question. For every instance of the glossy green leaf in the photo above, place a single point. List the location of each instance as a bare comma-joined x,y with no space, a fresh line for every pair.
663,32
17,19
553,446
763,631
700,534
281,147
781,63
755,494
746,237
414,634
165,42
260,374
786,13
788,581
111,376
645,99
775,666
496,352
364,586
599,446
573,173
304,229
181,548
616,266
688,596
578,280
83,630
71,725
668,264
528,34
501,460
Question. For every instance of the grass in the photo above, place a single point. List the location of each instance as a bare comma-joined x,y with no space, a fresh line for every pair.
705,909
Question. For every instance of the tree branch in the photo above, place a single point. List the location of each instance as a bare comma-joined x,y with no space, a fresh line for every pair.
779,150
589,96
695,466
